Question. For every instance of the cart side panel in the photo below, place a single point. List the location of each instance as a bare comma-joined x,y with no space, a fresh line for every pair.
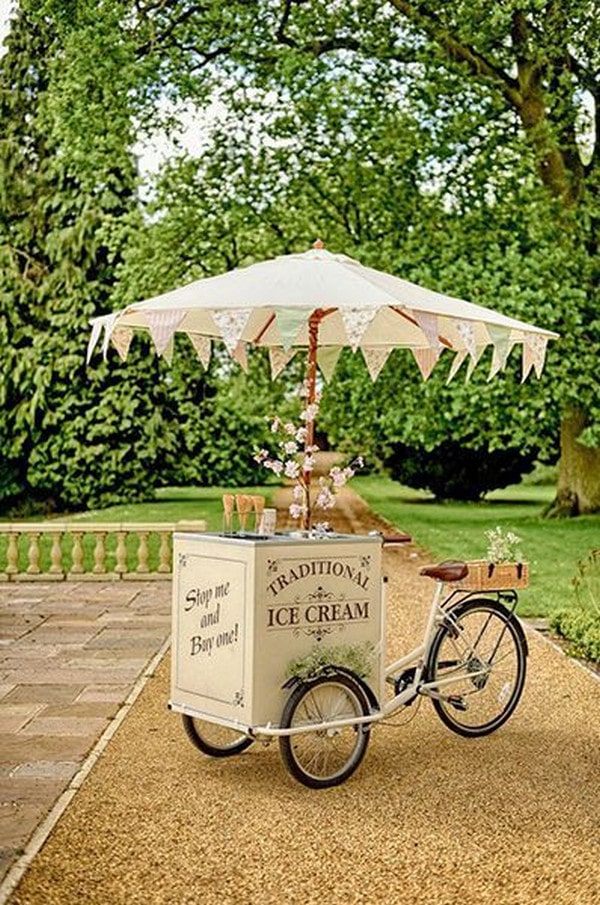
309,595
212,628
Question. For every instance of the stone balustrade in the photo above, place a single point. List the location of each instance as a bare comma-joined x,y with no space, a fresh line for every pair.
58,551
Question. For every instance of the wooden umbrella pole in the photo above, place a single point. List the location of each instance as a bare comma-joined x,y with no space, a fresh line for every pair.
311,397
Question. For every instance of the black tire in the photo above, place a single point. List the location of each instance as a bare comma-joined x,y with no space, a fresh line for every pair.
324,758
215,740
481,644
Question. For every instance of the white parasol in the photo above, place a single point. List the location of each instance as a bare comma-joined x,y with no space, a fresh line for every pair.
323,302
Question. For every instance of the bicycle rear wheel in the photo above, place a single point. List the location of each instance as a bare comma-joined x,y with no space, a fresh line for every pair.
321,758
479,657
215,740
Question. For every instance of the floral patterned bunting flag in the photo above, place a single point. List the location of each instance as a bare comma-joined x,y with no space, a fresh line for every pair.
466,331
375,360
231,323
534,354
356,321
121,340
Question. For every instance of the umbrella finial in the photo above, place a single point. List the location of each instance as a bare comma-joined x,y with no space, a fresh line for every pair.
319,244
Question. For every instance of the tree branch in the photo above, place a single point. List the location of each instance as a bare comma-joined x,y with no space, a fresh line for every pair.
458,51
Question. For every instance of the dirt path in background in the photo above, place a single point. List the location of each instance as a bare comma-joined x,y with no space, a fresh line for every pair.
428,817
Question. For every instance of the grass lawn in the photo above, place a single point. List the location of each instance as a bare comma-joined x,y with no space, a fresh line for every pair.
171,505
456,531
174,504
446,530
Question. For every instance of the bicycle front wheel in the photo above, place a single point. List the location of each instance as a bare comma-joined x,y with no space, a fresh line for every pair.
215,740
478,657
324,757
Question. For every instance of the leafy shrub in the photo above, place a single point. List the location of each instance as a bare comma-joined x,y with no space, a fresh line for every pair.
357,657
580,623
452,471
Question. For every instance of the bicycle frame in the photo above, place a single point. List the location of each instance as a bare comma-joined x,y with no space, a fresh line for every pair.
417,657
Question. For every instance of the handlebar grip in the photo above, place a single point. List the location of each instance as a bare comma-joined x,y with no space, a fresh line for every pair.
390,539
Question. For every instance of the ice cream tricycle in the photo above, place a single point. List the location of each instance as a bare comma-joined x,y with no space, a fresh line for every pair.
283,637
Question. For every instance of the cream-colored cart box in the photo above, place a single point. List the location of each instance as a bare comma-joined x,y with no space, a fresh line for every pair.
244,608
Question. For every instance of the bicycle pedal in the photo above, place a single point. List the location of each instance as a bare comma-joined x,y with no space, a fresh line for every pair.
457,703
402,682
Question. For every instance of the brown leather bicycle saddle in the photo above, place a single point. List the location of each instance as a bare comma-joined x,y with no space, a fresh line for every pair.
451,570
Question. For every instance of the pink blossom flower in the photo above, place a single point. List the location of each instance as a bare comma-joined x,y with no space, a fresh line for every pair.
292,469
310,412
275,465
297,510
290,448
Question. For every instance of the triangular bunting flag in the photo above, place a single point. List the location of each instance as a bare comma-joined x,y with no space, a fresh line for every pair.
356,321
109,323
536,344
97,325
239,353
162,326
203,347
456,363
231,323
429,325
466,331
327,357
121,340
278,359
168,351
473,359
426,360
500,337
289,321
375,360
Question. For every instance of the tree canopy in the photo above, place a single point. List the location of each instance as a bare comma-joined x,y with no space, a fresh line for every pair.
452,144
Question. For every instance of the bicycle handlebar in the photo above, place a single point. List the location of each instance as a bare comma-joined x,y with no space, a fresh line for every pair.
390,540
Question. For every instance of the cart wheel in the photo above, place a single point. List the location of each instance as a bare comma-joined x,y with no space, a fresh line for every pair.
321,758
215,740
479,655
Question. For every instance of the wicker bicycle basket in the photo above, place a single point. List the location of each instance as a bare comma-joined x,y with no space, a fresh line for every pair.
489,576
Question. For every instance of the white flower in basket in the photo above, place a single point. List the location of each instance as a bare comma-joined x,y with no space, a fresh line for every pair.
504,567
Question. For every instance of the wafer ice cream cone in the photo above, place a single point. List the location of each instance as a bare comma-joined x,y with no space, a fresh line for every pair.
259,504
244,507
228,506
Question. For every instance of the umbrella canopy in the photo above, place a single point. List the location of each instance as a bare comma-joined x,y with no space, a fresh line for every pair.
324,302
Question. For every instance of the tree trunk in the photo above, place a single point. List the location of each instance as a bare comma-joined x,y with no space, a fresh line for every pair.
578,490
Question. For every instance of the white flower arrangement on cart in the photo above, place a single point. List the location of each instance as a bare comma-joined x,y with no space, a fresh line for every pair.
296,460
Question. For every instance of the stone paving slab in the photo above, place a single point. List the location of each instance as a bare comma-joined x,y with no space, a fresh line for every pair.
70,654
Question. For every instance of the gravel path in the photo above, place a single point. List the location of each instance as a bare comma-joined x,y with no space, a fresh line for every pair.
428,817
